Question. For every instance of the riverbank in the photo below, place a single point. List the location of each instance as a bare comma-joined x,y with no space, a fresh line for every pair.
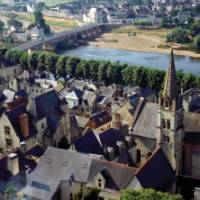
139,40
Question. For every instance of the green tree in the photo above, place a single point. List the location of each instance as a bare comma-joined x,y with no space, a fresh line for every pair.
42,62
197,42
86,69
33,60
94,68
13,55
71,65
24,60
190,20
178,35
2,26
147,194
140,76
50,62
15,23
80,70
155,78
40,22
195,28
87,194
188,81
61,66
102,72
127,75
114,73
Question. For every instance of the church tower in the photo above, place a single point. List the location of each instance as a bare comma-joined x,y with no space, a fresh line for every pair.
170,119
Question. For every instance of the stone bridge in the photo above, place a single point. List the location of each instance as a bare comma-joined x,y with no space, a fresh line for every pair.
83,33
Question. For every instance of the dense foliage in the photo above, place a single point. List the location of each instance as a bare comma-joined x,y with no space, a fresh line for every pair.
87,194
147,194
39,21
103,71
178,35
15,23
1,26
188,34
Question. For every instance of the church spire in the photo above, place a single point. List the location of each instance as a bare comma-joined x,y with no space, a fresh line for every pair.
171,88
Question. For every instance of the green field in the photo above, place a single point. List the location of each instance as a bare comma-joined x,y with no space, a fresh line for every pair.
56,2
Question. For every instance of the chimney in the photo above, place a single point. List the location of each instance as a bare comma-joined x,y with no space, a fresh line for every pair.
117,121
13,164
24,125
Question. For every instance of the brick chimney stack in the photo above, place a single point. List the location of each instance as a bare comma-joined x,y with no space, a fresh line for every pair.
24,125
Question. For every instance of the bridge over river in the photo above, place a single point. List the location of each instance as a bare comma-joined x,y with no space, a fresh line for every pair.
83,33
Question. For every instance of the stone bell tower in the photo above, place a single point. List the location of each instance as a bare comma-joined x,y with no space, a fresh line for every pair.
170,119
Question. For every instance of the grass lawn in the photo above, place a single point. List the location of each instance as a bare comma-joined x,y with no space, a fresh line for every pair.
52,21
56,2
162,32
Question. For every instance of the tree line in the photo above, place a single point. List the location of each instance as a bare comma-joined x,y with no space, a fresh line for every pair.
185,35
63,66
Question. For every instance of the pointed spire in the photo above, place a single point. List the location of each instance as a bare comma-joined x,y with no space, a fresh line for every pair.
171,88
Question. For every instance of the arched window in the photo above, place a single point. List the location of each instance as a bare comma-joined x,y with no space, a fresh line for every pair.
163,123
168,124
166,104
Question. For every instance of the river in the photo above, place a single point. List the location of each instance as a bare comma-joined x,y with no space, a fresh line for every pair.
154,60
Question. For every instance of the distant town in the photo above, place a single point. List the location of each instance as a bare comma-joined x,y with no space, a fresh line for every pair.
90,128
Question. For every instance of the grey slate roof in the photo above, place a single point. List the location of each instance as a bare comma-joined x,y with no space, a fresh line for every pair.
191,122
157,172
145,125
55,166
120,174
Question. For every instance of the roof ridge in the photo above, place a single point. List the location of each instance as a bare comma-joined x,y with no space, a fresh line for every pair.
116,163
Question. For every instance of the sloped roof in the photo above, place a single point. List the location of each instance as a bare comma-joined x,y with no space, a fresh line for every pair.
157,172
14,115
126,113
46,104
171,88
88,144
126,159
145,125
119,175
191,122
55,166
101,118
110,137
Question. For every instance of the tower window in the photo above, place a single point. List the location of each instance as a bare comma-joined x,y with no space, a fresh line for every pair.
166,104
166,138
168,124
163,123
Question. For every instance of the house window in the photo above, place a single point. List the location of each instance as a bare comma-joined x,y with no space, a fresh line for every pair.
138,156
70,196
8,142
99,183
42,125
7,130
